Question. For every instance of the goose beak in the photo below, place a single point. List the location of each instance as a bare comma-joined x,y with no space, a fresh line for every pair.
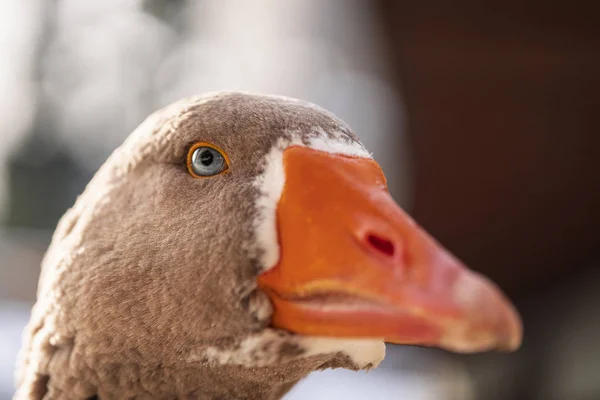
353,264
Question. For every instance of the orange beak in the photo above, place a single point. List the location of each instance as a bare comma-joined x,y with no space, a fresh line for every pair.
354,265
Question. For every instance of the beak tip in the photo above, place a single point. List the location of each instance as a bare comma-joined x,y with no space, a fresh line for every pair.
495,324
509,324
514,338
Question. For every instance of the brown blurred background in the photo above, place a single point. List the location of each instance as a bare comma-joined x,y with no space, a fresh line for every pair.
482,114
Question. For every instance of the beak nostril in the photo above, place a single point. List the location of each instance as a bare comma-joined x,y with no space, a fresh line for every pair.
380,244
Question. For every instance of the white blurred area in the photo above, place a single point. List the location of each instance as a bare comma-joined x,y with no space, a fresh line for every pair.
86,73
109,64
20,29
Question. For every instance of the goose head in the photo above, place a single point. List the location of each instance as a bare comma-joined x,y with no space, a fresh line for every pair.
233,244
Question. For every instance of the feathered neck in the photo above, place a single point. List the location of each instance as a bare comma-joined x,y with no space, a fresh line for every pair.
73,374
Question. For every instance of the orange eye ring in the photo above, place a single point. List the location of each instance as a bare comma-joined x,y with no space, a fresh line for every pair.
193,168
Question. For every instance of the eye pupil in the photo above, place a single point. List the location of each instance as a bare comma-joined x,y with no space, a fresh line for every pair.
206,158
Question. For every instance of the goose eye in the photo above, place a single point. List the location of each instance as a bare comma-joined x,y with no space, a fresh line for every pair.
204,160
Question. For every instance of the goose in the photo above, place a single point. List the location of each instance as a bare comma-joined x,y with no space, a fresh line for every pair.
233,244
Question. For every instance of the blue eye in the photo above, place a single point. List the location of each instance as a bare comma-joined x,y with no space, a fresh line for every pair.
206,161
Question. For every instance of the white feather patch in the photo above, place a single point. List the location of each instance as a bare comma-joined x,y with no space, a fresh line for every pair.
364,353
263,349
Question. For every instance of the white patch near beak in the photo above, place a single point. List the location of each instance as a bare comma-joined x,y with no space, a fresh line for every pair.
263,349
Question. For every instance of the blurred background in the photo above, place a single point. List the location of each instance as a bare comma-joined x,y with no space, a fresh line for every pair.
484,116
